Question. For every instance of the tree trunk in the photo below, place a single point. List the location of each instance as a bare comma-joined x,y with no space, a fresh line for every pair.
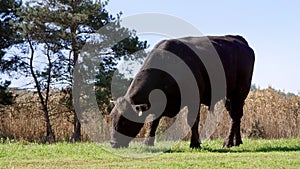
77,130
50,136
77,126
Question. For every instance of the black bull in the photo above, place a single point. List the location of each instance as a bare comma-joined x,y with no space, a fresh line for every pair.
237,59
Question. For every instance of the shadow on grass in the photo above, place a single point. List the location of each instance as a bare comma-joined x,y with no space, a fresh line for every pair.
279,145
238,149
215,147
260,149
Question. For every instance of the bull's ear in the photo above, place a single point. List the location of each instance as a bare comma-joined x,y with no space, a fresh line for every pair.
141,108
140,111
112,102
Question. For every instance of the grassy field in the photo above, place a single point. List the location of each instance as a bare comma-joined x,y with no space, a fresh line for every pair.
283,153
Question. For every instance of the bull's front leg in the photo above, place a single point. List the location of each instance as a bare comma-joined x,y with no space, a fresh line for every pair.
195,138
153,126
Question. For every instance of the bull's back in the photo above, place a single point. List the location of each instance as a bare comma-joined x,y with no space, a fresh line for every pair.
235,54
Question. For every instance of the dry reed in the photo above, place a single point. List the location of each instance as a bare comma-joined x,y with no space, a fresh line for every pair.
267,114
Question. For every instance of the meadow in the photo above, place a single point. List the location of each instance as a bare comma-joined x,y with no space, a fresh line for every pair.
270,130
276,153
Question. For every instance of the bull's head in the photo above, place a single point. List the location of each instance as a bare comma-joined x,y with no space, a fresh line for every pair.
127,121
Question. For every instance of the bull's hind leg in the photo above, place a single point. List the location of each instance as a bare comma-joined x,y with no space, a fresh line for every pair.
236,113
153,126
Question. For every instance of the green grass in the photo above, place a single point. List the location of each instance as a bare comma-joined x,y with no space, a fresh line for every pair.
284,153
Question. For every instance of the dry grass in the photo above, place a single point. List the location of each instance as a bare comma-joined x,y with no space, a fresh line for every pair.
267,114
24,120
270,114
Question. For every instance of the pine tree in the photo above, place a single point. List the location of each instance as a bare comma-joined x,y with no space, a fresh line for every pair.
57,30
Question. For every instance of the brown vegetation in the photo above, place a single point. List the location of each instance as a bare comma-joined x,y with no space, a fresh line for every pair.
267,114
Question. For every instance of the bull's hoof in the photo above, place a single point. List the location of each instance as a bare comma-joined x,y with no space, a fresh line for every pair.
228,144
149,141
238,142
195,145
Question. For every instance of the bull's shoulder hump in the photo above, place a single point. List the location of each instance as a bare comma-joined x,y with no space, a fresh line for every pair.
167,43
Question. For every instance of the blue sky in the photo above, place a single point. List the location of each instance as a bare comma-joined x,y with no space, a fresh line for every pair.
271,28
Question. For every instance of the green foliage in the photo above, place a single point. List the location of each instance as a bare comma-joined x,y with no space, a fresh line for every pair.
9,35
6,97
61,25
253,87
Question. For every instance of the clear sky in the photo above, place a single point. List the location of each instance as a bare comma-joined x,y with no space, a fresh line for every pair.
270,26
